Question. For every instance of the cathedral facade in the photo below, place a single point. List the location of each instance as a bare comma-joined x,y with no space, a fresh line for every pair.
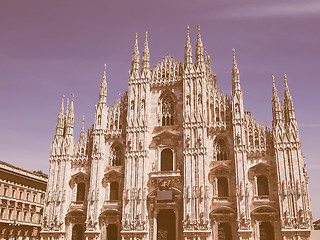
176,158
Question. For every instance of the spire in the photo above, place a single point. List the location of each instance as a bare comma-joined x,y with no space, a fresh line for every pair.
82,128
274,89
276,107
67,109
288,103
235,74
71,111
286,88
199,48
70,117
146,54
135,55
188,50
60,120
103,87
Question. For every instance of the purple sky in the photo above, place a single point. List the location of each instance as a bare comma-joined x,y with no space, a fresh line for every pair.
51,48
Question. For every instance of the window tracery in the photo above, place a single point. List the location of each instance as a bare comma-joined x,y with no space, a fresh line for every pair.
116,156
221,150
167,111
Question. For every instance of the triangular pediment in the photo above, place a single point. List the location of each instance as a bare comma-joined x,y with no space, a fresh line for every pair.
166,134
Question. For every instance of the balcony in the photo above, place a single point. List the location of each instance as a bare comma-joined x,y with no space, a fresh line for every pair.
75,205
165,174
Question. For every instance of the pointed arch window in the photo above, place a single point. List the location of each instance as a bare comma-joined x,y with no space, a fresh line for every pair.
80,192
167,111
223,189
116,156
221,150
263,186
167,160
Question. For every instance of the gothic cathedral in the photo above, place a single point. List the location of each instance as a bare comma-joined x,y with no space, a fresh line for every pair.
175,158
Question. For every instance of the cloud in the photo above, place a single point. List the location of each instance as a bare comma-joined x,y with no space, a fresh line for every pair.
288,9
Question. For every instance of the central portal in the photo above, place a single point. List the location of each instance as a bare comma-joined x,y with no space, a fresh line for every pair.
166,222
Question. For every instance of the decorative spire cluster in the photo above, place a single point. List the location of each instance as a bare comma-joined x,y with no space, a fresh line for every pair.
287,108
288,103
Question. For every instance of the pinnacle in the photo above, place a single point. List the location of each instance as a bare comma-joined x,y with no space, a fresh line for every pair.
105,72
274,89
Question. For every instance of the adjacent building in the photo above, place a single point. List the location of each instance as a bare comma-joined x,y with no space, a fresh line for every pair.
176,158
21,202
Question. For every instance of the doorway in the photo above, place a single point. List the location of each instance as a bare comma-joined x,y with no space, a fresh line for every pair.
166,222
112,232
77,232
266,231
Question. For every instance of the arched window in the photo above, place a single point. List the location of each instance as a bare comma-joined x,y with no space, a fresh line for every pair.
266,231
217,114
167,111
167,160
223,189
80,192
263,186
221,150
114,191
224,232
116,156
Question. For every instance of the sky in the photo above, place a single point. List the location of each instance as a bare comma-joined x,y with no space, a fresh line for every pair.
50,48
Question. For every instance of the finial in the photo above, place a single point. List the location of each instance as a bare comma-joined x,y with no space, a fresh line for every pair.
188,35
62,103
72,95
285,78
105,70
146,35
234,58
136,36
198,28
67,107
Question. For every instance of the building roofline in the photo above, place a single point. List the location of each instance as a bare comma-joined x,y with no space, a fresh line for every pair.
23,173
